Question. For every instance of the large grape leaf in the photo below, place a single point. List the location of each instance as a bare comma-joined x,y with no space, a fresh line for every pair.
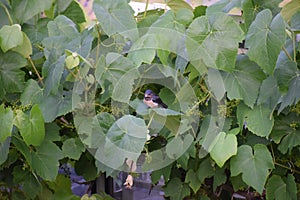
116,17
265,38
244,82
113,68
63,34
44,159
254,164
282,188
214,41
258,120
26,9
31,126
10,37
11,77
6,125
223,147
124,139
286,132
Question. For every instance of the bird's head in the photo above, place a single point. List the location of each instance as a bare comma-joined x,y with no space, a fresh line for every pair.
148,95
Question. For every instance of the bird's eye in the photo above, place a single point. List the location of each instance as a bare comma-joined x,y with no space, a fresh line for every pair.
147,98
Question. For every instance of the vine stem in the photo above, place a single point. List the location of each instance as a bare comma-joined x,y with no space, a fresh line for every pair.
281,165
146,8
287,53
11,22
36,71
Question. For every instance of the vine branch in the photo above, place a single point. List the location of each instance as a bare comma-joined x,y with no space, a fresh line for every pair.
36,71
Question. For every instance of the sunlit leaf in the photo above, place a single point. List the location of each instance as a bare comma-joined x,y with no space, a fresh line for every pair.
31,126
10,37
223,147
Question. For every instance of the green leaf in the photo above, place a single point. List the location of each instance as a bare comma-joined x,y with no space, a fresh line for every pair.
290,9
176,190
113,68
52,72
73,148
11,75
60,104
278,188
4,150
123,88
6,125
223,6
31,127
215,83
269,93
192,180
178,4
172,21
184,16
86,167
286,132
30,184
265,38
32,93
124,139
45,160
61,188
244,82
26,9
25,49
214,41
254,166
205,170
258,120
116,17
223,147
75,12
10,37
143,50
177,146
287,74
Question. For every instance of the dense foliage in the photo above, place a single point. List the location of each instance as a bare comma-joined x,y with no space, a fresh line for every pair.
71,92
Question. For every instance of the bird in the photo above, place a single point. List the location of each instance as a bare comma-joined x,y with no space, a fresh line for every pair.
152,100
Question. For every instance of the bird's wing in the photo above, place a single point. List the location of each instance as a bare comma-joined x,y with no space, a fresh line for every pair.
157,99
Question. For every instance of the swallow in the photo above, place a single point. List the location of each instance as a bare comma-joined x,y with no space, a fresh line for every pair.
153,101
